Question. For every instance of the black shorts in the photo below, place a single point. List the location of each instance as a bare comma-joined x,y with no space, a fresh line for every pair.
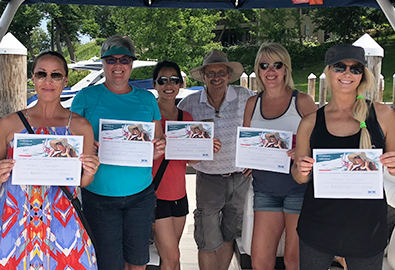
178,208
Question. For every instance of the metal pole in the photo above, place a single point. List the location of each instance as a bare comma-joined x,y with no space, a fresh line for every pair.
389,11
8,15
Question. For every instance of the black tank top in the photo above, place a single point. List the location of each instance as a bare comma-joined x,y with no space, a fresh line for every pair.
344,227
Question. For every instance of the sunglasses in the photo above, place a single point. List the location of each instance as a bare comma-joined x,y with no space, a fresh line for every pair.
172,79
59,143
56,76
354,69
113,60
276,65
213,74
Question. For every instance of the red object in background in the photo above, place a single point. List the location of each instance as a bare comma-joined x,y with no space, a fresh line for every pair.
300,1
311,2
316,2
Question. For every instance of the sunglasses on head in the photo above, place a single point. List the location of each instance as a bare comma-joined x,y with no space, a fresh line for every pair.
172,79
113,60
354,69
56,76
276,65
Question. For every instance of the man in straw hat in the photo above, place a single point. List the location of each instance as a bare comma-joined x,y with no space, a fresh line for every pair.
220,186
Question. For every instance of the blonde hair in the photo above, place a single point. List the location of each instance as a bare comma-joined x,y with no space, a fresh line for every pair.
277,53
360,109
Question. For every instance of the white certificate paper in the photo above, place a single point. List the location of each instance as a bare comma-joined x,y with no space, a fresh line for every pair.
48,160
189,140
126,143
348,173
263,149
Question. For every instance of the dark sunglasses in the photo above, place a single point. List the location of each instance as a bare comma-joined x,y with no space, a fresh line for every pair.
59,143
354,69
172,79
276,65
56,76
113,60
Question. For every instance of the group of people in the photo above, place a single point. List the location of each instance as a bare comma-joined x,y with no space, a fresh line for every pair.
40,228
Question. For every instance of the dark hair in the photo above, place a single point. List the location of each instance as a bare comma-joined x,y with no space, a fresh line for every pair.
51,53
166,64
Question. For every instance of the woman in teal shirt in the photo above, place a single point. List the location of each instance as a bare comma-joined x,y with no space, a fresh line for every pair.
119,204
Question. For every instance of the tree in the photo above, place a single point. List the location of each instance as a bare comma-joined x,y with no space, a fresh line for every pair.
180,35
26,19
345,22
272,26
67,22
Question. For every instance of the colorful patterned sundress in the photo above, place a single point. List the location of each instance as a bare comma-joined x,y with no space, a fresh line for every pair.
40,228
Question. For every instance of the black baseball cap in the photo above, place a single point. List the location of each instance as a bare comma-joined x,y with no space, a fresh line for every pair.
342,52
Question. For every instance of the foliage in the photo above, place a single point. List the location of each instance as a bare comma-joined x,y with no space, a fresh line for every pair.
76,76
346,23
26,20
180,35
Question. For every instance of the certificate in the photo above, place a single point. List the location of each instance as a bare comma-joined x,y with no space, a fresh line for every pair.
48,160
263,149
189,140
348,173
126,143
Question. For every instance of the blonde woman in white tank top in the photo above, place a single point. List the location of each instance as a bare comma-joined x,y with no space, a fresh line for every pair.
278,106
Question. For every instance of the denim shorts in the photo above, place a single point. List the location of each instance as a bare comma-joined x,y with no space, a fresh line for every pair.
291,204
177,208
219,213
121,227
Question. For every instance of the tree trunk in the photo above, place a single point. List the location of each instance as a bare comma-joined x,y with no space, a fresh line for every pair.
13,87
58,31
70,47
30,47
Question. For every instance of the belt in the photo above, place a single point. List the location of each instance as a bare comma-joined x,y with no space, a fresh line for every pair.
225,175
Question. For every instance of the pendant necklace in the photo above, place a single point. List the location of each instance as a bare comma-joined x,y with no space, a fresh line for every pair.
212,103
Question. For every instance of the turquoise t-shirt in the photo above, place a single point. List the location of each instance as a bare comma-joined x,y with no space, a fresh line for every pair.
97,102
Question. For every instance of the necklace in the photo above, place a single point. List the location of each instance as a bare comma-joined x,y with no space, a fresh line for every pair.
212,103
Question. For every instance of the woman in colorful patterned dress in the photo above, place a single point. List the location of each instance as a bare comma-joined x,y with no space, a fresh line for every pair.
40,228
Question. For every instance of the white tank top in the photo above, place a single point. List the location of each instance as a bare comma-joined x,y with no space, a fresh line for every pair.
288,121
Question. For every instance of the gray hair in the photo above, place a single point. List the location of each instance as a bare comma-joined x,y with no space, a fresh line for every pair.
118,41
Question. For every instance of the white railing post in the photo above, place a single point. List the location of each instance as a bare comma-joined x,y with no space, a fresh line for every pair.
322,96
311,85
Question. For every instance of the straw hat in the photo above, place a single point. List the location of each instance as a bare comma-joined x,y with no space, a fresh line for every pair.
362,155
217,57
199,126
63,141
139,127
275,135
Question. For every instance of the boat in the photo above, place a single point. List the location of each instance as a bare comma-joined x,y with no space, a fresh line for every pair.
96,76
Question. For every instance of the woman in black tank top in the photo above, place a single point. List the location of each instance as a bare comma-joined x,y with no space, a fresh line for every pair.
352,228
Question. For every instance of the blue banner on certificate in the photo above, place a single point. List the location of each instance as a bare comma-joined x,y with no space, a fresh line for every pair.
189,140
126,143
263,149
348,173
47,160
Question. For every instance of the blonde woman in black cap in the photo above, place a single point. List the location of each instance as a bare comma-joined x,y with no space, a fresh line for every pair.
352,228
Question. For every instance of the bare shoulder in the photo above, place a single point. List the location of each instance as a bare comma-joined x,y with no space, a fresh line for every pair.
305,104
251,100
9,125
385,116
79,125
383,110
308,122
